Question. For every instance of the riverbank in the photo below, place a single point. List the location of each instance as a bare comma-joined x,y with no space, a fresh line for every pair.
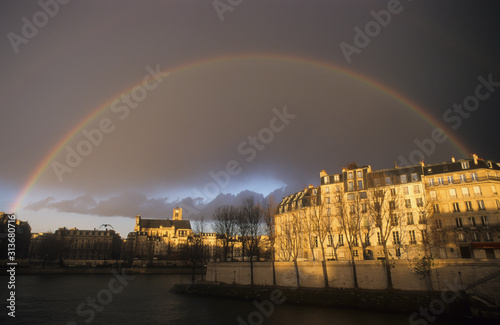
415,303
34,270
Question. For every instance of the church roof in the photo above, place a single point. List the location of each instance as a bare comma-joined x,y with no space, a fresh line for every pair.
156,223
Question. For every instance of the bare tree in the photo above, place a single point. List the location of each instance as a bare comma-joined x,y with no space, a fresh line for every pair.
251,224
291,239
225,220
348,226
269,210
318,220
384,205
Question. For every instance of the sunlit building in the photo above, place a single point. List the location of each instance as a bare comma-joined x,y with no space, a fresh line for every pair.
448,210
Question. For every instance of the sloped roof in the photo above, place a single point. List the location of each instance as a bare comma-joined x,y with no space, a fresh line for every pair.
156,223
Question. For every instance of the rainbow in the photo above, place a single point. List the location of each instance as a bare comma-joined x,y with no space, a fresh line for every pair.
59,146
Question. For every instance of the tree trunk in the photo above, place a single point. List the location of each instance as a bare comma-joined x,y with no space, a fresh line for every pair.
297,272
274,267
354,273
323,264
388,269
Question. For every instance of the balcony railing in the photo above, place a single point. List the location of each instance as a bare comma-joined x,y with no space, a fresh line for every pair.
467,180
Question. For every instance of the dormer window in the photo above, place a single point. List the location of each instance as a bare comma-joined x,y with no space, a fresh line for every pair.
465,165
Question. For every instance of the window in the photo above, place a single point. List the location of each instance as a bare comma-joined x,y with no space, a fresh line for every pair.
477,190
364,208
436,208
433,195
341,240
388,181
421,218
480,204
352,208
405,190
329,239
327,189
461,237
395,238
360,174
315,241
337,188
462,178
350,197
450,179
440,180
379,238
350,186
456,207
336,178
394,219
472,222
404,179
498,204
360,184
468,205
355,253
453,193
465,165
315,191
350,175
494,190
377,181
458,222
431,181
474,176
393,191
420,202
414,177
439,224
487,236
465,192
328,212
398,252
326,180
392,205
416,189
413,239
363,195
484,221
408,203
409,218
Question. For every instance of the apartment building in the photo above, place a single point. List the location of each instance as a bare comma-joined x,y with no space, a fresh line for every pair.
449,210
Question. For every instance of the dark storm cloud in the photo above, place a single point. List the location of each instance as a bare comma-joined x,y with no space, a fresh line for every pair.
166,151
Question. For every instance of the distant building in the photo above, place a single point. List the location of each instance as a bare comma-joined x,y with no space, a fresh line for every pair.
22,235
160,238
449,210
76,244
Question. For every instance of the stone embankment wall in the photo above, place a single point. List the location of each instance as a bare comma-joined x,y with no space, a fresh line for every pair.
445,275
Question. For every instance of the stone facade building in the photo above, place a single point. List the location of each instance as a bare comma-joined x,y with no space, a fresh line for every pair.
448,210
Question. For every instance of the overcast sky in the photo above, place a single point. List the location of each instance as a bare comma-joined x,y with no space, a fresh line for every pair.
212,99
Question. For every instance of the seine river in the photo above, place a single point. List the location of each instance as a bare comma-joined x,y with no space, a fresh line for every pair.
145,299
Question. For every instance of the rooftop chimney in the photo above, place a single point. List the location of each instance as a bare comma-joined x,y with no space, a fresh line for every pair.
474,156
452,159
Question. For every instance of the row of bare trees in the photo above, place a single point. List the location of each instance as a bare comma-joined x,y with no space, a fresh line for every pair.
354,218
245,225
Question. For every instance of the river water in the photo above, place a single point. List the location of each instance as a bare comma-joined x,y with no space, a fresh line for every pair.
145,299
